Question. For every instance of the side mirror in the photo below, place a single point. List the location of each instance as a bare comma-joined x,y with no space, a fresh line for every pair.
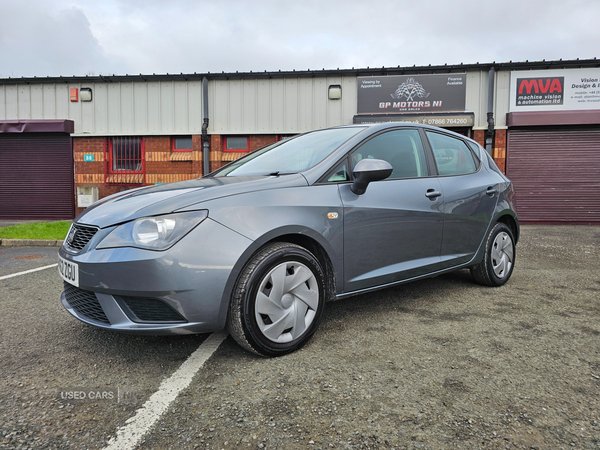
368,170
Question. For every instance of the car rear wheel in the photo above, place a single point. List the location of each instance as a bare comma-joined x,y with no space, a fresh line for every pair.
278,300
499,259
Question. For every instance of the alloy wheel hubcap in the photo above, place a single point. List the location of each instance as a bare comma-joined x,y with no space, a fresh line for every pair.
286,302
502,254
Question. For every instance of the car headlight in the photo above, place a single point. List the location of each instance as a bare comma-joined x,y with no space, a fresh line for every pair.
154,233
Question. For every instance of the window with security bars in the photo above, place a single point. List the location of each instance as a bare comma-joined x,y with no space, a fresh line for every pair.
126,155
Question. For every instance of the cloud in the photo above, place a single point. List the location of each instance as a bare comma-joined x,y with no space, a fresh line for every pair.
153,36
41,40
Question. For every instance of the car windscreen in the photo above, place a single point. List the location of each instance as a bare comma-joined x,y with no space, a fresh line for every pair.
290,156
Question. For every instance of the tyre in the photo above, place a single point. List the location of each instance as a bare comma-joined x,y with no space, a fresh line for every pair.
278,300
499,258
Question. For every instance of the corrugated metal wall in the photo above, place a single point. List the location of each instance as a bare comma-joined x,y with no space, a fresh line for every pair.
135,108
280,106
243,106
502,99
476,98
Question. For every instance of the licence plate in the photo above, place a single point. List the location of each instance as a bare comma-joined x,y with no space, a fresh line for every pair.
69,271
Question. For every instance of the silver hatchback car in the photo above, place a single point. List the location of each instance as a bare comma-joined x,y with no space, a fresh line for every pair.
261,244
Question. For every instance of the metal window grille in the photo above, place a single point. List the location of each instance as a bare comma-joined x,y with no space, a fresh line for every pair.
126,155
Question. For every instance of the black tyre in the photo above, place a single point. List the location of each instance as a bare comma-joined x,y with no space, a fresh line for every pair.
499,259
278,300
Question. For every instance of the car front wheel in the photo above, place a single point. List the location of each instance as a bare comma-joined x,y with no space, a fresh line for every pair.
499,259
278,300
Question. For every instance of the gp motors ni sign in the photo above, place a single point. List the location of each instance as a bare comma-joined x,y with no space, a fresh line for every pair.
412,94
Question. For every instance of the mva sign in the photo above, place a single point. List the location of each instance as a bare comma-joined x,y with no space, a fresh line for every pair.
555,90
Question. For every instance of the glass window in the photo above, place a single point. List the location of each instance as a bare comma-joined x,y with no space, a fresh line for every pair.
340,173
183,143
403,149
476,154
125,154
452,155
236,144
290,156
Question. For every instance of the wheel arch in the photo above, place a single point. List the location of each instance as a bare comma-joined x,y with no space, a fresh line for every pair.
307,238
508,218
512,223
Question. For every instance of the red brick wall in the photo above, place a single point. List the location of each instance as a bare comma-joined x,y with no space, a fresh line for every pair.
256,142
216,152
158,164
158,155
499,152
499,146
218,158
479,137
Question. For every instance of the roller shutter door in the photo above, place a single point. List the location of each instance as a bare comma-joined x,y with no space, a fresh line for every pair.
556,173
36,176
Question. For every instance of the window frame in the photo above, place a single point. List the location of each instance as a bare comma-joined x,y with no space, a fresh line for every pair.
173,149
110,159
429,158
246,150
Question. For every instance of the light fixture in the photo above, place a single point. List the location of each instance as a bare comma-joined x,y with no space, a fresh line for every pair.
335,92
85,94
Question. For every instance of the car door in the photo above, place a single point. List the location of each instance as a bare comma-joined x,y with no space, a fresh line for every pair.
470,197
393,231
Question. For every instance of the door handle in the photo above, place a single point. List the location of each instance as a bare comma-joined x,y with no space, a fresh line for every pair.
432,194
491,191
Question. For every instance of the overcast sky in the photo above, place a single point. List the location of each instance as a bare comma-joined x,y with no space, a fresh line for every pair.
79,37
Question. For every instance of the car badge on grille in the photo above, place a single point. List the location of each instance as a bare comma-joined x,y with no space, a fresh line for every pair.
71,234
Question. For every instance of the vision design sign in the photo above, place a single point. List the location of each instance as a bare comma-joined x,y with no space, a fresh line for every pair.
555,90
412,93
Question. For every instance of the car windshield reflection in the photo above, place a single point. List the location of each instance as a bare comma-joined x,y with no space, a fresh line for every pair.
290,156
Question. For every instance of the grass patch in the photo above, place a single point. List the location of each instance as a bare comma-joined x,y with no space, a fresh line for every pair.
37,230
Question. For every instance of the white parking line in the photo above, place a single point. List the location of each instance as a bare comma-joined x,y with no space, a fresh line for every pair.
137,426
5,277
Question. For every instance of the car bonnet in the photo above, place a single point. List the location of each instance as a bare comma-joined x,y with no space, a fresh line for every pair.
168,198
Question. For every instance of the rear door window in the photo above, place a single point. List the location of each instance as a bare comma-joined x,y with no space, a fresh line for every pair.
452,156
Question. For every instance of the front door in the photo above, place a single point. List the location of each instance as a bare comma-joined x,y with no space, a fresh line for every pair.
393,231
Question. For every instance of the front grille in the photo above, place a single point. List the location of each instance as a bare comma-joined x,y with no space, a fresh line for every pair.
85,303
151,310
79,236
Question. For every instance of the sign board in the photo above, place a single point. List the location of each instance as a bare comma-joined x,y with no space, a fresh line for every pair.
88,157
445,120
412,93
555,90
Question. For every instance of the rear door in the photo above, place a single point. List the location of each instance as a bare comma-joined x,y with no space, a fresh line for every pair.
394,230
470,197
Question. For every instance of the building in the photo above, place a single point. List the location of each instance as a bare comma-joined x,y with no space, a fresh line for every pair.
65,141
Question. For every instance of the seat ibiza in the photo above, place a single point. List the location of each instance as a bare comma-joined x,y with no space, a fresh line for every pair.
261,244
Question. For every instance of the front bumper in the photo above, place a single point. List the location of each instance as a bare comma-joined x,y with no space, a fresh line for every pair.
182,290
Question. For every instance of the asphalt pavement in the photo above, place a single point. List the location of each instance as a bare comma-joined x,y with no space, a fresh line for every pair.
439,363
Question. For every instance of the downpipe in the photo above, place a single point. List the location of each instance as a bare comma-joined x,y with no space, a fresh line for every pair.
489,136
205,139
